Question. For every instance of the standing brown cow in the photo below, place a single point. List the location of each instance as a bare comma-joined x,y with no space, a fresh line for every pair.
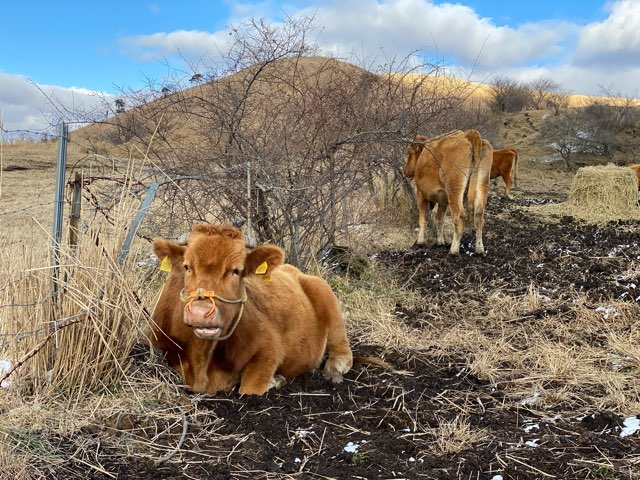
228,315
505,165
444,170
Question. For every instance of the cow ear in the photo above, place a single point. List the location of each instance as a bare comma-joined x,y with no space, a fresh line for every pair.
263,259
166,249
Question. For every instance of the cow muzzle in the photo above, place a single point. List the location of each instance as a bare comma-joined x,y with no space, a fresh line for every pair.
210,332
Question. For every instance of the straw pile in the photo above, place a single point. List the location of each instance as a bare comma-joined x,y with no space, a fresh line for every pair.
599,194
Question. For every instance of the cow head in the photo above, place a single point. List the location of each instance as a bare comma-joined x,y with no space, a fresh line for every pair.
413,152
216,264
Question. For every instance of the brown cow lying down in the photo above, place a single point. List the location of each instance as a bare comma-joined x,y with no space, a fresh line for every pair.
505,165
227,315
448,171
636,168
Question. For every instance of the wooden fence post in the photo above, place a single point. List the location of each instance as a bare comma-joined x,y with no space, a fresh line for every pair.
74,217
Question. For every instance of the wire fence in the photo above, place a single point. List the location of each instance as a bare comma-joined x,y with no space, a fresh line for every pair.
144,186
48,298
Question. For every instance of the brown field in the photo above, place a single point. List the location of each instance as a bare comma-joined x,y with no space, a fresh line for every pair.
522,364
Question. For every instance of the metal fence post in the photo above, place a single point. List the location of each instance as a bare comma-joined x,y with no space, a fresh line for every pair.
142,211
63,132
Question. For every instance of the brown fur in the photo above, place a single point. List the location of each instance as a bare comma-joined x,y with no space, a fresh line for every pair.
447,171
636,168
288,322
505,165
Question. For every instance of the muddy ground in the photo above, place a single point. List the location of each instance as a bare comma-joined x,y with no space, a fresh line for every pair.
380,424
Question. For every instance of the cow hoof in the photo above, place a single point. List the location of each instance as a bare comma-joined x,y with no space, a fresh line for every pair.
277,382
335,367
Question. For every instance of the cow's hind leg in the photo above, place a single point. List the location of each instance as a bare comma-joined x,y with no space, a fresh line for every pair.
507,185
442,210
340,358
478,220
482,181
457,213
331,324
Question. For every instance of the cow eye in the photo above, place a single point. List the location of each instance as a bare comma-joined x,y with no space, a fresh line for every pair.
186,267
235,272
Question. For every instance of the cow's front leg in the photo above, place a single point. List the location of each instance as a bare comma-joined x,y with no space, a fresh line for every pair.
423,216
222,381
258,376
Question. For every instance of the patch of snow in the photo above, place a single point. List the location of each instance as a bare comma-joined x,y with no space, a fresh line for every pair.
532,443
353,447
608,310
411,459
5,366
528,428
497,477
297,460
631,426
303,432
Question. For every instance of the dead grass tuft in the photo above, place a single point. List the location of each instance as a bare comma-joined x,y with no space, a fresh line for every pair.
453,436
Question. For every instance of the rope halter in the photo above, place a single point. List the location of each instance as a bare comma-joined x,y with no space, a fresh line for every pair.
202,294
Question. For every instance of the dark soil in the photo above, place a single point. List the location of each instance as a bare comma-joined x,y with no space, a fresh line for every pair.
381,424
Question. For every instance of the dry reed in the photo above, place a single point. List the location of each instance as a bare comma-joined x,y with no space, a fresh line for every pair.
79,341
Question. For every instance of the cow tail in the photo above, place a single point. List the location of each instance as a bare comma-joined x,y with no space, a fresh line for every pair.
476,142
514,168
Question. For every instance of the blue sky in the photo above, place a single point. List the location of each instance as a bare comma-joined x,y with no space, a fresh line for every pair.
69,49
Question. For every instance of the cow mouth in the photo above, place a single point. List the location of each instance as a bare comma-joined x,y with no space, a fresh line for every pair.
207,333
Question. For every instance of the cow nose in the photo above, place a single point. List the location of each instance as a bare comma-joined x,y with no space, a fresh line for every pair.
199,294
200,309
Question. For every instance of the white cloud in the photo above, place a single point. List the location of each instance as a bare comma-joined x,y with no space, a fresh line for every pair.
171,44
22,104
446,30
613,42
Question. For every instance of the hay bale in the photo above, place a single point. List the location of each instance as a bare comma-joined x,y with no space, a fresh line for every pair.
599,194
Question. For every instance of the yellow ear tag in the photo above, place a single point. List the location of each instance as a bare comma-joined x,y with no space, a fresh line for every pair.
165,265
262,268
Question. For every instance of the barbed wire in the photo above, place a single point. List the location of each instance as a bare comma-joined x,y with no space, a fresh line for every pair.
61,323
18,210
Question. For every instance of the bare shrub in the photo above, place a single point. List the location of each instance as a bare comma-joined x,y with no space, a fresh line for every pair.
562,133
509,95
546,92
596,129
290,146
603,122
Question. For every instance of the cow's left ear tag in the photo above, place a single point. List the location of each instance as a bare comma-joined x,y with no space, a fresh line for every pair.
165,265
262,268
